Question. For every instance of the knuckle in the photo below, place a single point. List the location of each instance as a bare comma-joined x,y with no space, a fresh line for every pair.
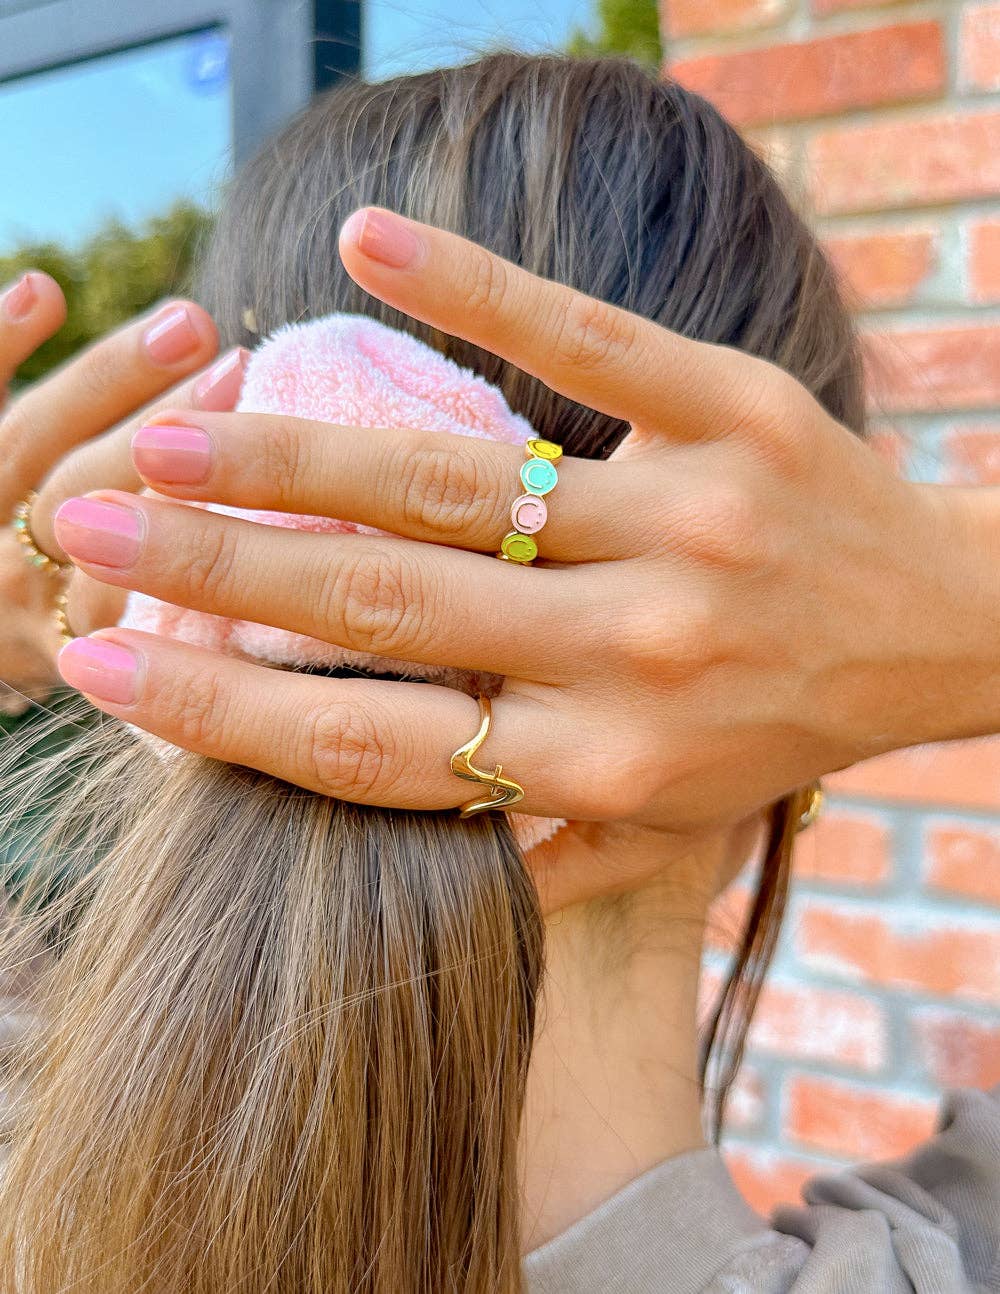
621,782
195,710
670,647
591,334
443,494
349,757
282,459
721,528
100,370
777,412
373,600
486,284
211,563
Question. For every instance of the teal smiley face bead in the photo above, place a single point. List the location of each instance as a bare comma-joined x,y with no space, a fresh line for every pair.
538,475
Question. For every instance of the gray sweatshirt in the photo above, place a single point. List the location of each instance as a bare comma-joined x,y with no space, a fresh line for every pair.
925,1224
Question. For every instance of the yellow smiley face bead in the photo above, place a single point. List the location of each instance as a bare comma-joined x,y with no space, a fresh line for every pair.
516,547
540,448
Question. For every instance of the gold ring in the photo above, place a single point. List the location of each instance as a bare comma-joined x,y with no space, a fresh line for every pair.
21,524
811,809
529,511
503,791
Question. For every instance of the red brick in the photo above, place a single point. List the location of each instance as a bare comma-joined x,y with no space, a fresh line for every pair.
943,956
926,370
781,149
698,17
883,269
918,161
767,1179
972,454
814,78
965,861
747,1103
809,1022
820,1024
984,261
979,47
960,774
855,1122
844,849
956,1050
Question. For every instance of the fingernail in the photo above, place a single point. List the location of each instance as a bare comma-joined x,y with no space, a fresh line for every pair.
101,669
218,390
172,337
103,533
173,455
382,237
19,301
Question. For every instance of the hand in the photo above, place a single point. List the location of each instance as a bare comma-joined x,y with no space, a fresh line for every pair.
60,438
742,598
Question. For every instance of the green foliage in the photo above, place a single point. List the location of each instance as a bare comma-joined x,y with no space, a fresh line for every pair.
115,275
630,27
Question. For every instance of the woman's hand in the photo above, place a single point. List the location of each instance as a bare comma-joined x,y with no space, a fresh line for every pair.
60,438
742,598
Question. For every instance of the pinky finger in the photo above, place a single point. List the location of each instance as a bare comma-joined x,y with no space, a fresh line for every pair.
370,741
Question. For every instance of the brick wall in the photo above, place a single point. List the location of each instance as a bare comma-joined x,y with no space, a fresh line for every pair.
884,122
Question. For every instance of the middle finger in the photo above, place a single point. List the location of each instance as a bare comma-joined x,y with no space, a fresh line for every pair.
428,485
387,596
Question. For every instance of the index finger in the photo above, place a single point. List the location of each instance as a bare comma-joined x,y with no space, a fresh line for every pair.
615,361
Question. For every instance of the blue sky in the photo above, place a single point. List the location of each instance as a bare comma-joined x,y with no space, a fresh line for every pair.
128,134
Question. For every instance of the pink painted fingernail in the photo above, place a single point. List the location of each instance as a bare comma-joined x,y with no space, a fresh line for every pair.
101,669
20,300
171,337
218,390
383,237
173,455
103,533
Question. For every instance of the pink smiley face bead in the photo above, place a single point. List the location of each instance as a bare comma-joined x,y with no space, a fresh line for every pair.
528,513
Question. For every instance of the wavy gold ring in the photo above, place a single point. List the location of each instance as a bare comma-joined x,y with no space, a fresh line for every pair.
502,790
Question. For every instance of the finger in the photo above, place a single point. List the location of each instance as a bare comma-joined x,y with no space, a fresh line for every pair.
370,741
95,389
607,358
386,596
31,310
105,462
426,485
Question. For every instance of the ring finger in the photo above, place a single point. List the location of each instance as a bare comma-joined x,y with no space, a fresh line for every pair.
427,485
387,596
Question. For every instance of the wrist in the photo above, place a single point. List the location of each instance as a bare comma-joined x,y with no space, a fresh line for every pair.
962,690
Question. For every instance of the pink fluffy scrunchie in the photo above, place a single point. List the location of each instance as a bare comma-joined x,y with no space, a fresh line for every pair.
350,370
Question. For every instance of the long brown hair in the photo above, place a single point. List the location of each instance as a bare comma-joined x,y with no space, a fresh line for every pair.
282,1040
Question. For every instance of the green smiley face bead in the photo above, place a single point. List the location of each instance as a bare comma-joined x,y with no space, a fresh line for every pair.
538,476
518,548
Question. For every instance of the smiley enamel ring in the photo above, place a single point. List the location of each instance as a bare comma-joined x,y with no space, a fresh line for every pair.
529,512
